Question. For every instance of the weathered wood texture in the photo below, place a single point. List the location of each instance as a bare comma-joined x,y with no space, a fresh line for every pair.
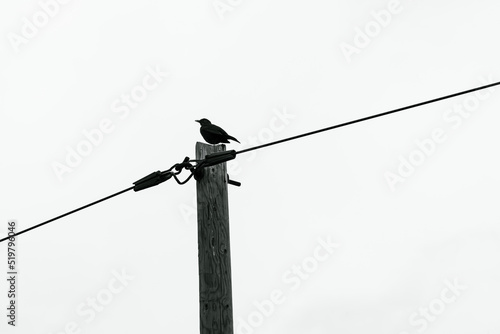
214,260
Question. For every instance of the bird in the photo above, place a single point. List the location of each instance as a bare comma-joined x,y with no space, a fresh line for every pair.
212,133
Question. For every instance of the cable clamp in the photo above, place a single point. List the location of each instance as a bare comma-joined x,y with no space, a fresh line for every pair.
211,160
184,164
217,158
152,180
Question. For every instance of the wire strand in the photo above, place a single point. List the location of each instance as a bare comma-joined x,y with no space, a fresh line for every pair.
369,117
187,160
66,214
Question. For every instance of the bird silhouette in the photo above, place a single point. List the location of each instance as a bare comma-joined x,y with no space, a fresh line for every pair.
212,133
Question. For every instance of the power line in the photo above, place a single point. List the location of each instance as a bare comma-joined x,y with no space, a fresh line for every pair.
368,118
158,177
67,214
148,181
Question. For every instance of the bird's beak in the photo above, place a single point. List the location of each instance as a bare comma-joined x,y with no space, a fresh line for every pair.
197,121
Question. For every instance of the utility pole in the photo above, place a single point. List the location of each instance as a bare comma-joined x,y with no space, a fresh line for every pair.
214,260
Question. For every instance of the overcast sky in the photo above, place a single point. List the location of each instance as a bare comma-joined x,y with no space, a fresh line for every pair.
387,226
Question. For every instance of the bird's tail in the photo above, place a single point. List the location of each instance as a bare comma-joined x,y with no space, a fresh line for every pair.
232,138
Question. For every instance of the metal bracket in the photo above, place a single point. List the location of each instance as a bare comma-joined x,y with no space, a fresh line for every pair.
232,182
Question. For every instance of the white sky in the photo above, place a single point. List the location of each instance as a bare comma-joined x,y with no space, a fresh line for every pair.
399,247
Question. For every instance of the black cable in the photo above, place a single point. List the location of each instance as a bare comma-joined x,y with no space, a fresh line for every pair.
66,214
185,181
148,181
368,117
186,163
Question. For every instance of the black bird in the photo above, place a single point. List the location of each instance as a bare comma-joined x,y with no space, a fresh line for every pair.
212,133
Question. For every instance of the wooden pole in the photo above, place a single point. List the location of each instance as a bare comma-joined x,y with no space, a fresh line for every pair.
214,260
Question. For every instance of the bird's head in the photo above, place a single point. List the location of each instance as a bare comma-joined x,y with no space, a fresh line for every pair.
204,121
